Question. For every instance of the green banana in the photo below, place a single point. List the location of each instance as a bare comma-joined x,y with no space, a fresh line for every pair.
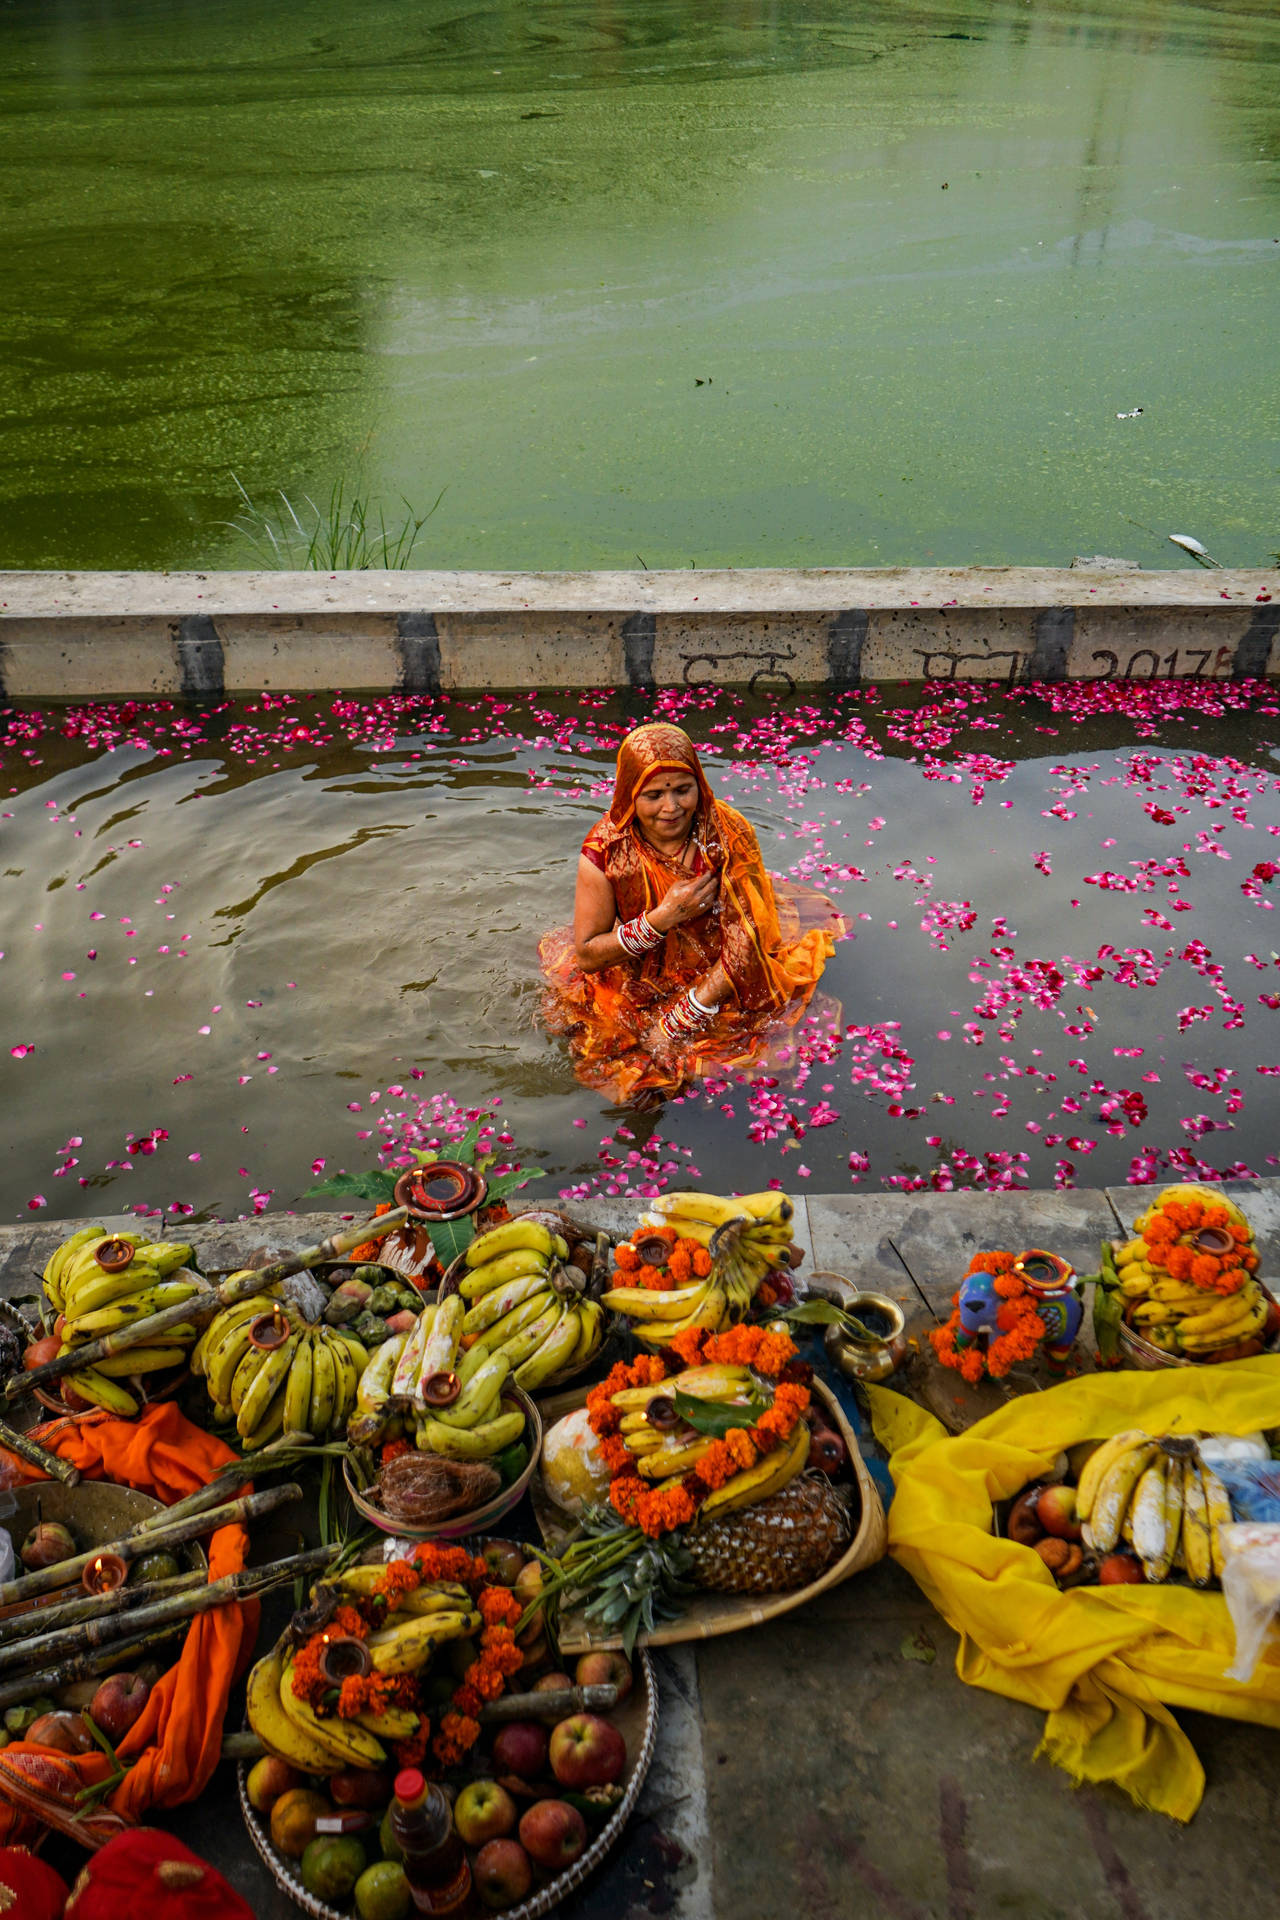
530,1337
500,1334
479,1396
555,1353
472,1443
495,1305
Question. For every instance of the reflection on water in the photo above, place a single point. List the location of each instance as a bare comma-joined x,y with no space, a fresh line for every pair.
920,257
269,933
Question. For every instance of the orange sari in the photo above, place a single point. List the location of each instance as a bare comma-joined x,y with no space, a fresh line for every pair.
757,930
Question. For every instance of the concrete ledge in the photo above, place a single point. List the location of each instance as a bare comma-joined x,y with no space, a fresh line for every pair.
199,636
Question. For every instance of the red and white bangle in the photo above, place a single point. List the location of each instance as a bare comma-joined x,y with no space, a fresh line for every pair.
638,937
686,1017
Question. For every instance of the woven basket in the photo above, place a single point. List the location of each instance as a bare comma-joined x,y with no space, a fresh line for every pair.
478,1519
1145,1358
637,1720
708,1614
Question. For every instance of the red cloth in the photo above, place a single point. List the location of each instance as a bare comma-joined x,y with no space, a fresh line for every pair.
29,1890
177,1742
148,1875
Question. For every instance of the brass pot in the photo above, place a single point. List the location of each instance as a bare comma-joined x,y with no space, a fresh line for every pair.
882,1318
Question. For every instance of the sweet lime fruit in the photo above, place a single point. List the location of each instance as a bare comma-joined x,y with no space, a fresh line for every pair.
331,1866
382,1892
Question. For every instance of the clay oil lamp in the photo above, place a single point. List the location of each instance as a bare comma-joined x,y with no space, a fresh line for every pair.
269,1331
440,1190
344,1658
104,1573
441,1389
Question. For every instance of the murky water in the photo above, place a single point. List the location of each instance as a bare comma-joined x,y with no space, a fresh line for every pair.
295,932
797,282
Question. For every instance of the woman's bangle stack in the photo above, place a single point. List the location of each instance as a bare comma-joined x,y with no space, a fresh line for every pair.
686,1017
638,937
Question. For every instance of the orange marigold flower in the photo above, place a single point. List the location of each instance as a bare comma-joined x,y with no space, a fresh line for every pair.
1249,1261
1215,1215
689,1346
1159,1228
458,1734
1239,1233
347,1620
625,1257
992,1262
716,1466
668,1234
363,1693
701,1258
624,1491
680,1266
1177,1262
498,1606
661,1512
392,1449
1009,1286
468,1700
1186,1215
1205,1270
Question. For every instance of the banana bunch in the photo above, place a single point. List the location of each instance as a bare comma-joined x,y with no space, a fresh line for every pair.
475,1425
305,1384
746,1239
1161,1497
522,1305
97,1282
404,1644
1172,1312
664,1454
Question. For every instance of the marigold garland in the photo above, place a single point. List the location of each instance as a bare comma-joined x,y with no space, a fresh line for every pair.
497,1660
1168,1237
1020,1327
658,1510
685,1260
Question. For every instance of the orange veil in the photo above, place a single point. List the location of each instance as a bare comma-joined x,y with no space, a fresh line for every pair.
756,930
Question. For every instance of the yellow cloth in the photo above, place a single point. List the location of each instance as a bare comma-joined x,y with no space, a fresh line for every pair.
1106,1663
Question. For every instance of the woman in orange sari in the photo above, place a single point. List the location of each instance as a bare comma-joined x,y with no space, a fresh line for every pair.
684,957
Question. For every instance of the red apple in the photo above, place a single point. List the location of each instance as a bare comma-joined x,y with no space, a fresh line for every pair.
552,1683
359,1787
502,1873
484,1811
41,1351
118,1703
1056,1512
605,1670
521,1748
1120,1570
268,1779
46,1545
505,1562
554,1833
587,1751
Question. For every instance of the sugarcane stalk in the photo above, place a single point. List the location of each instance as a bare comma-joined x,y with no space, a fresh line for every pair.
91,1606
212,1495
560,1701
45,1647
39,1457
82,1666
252,1507
200,1307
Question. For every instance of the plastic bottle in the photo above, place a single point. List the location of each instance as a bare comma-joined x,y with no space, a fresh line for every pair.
435,1863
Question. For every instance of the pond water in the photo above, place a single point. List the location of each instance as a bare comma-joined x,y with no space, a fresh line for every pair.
248,947
805,282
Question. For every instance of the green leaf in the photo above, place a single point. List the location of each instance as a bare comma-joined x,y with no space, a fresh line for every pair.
506,1183
451,1237
716,1417
373,1184
825,1313
918,1646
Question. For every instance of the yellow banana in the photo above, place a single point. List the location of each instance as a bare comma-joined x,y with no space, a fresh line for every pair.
1102,1528
407,1367
141,1360
393,1723
500,1335
364,1580
1153,1313
645,1303
678,1459
297,1390
135,1306
223,1357
497,1273
1135,1249
470,1362
1197,1539
555,1353
101,1391
98,1290
591,1338
271,1424
472,1443
498,1302
440,1353
645,1440
347,1376
1218,1507
480,1396
374,1389
406,1648
1157,1516
709,1208
1102,1458
225,1323
324,1389
1135,1286
1224,1312
515,1236
770,1207
56,1269
710,1313
347,1744
261,1390
720,1381
277,1732
770,1474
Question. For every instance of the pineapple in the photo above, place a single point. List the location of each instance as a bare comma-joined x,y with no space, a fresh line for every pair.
778,1544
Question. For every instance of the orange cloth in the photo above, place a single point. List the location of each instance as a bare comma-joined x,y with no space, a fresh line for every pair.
176,1743
755,930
